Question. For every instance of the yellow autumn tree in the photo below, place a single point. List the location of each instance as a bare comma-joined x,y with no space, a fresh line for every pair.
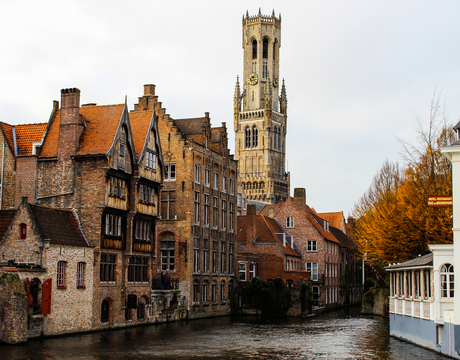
393,221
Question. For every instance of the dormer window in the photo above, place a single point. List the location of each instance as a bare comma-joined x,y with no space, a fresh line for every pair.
122,149
35,145
326,226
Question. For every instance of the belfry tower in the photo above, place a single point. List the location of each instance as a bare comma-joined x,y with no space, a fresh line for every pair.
260,112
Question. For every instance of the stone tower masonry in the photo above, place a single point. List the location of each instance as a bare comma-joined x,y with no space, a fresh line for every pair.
260,112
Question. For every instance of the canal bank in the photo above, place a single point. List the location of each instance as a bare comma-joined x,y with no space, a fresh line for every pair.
342,334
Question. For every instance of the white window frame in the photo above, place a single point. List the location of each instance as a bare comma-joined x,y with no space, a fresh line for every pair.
168,172
313,267
289,222
312,245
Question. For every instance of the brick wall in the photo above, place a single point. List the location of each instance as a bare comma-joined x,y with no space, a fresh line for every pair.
26,170
9,174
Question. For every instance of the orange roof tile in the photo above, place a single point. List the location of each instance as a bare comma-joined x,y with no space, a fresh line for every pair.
334,218
140,122
26,135
97,138
266,230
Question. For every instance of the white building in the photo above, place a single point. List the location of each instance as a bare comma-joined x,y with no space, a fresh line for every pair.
424,308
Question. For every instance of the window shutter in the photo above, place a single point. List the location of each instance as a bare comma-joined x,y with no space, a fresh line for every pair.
46,297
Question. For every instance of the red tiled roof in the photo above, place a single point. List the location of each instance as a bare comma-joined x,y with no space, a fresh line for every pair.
140,122
5,219
266,229
97,138
27,134
334,218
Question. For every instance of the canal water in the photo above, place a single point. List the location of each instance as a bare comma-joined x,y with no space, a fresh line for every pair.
342,334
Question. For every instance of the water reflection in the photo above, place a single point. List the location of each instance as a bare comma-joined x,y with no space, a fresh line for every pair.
336,335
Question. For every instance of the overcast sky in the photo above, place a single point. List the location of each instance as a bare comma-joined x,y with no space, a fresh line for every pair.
357,72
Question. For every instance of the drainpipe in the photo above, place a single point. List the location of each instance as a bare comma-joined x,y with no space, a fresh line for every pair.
1,185
41,253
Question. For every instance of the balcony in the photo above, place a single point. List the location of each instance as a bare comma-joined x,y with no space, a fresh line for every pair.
172,284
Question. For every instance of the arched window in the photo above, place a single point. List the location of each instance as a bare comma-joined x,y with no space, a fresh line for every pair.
262,185
275,139
274,50
255,136
265,49
254,185
279,138
447,281
248,186
247,137
254,49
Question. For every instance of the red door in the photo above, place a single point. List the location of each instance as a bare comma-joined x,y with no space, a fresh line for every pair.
46,297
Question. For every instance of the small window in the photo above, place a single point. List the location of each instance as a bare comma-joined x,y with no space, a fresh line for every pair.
207,177
243,271
150,160
313,267
22,231
81,274
311,245
224,184
254,49
60,281
216,179
122,149
170,172
290,221
197,174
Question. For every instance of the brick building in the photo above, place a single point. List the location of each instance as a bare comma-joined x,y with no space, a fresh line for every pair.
54,262
265,249
316,243
95,163
199,203
18,161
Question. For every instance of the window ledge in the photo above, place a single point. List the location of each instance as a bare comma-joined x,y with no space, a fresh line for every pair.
61,287
81,287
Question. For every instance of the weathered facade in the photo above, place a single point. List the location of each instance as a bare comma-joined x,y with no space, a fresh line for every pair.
89,164
18,162
196,237
316,243
54,263
260,113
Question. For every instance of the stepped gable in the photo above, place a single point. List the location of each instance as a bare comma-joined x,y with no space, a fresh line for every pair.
101,126
6,216
59,226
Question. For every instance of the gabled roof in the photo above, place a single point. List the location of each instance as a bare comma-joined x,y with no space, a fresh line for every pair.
97,139
420,261
334,218
58,226
21,137
5,219
317,221
266,229
141,123
339,235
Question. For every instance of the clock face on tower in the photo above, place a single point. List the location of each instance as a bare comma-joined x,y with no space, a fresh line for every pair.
253,79
275,81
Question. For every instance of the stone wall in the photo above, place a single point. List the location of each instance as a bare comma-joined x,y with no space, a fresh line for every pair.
376,301
13,308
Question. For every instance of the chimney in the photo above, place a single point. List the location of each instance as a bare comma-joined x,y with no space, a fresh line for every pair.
71,125
149,90
300,196
251,209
